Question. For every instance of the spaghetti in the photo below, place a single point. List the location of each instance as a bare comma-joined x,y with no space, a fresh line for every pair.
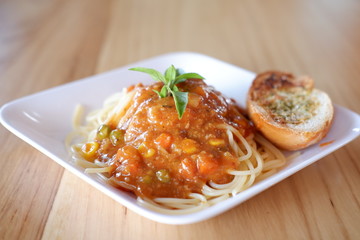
137,143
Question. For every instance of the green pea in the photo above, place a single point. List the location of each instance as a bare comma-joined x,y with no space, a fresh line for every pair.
117,136
103,132
146,179
163,175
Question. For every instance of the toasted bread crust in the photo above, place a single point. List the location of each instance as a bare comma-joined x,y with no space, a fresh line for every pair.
271,80
285,135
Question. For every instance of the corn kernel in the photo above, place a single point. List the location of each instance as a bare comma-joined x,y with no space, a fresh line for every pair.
216,142
142,148
89,149
145,151
189,146
149,153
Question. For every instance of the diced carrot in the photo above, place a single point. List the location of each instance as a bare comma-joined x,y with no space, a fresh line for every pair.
206,164
242,123
164,140
129,159
188,169
128,153
193,100
130,168
199,90
244,127
229,161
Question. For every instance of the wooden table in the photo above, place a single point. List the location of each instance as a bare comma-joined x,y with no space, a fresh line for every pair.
49,43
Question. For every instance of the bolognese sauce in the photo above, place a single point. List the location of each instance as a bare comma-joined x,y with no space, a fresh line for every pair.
155,154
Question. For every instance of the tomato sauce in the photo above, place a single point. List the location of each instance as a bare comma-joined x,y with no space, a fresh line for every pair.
326,143
160,155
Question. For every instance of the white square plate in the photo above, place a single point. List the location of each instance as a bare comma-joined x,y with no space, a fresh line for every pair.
44,119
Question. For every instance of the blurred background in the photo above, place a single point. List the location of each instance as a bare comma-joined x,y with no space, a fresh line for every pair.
46,43
66,40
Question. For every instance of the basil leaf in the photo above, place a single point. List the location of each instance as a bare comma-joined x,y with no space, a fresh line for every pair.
158,93
189,75
175,88
170,74
179,80
156,75
171,77
163,92
181,100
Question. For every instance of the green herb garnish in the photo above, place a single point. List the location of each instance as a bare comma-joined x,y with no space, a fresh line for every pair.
171,77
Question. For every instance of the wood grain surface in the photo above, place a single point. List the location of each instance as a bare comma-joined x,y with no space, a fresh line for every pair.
47,43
